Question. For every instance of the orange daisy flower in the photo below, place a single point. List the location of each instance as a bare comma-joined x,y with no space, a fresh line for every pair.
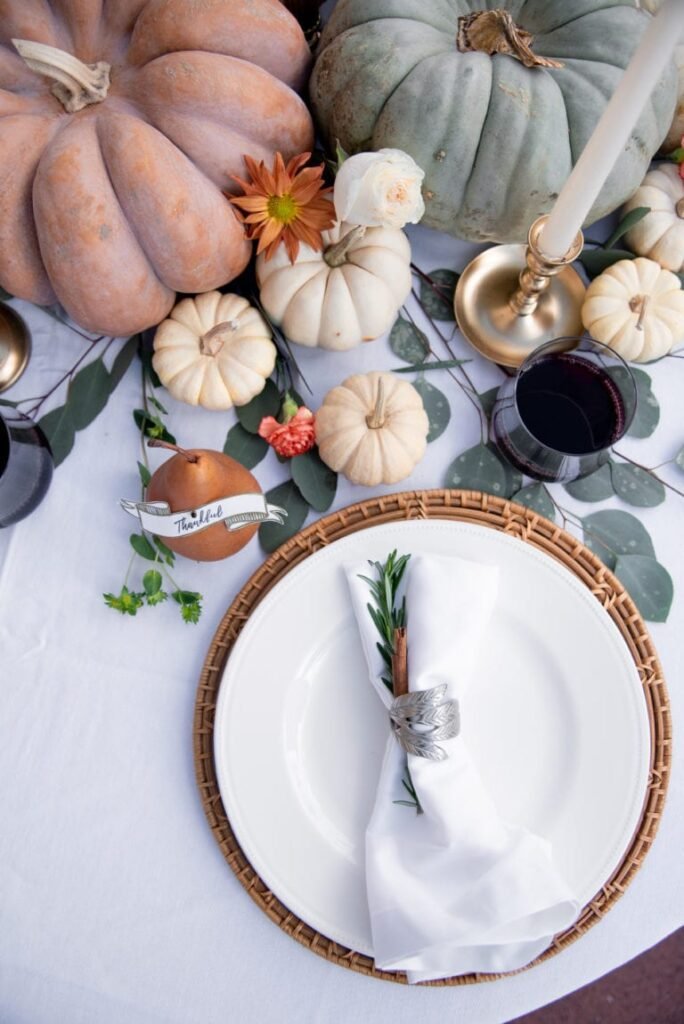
286,204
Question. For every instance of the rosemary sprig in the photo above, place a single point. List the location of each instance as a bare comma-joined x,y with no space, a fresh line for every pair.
388,615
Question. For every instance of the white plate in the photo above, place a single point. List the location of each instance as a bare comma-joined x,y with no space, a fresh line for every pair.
555,719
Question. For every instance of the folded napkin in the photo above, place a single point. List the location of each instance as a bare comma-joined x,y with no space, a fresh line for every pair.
456,889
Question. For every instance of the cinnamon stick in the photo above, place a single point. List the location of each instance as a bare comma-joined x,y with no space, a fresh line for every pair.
400,682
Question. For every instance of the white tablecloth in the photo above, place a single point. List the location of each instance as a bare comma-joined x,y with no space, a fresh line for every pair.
116,902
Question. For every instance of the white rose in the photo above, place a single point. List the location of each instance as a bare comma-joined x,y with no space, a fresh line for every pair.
379,189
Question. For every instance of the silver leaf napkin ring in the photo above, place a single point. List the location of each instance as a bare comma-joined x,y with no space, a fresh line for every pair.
422,718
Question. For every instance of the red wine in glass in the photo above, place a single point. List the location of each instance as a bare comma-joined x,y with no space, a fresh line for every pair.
25,467
559,416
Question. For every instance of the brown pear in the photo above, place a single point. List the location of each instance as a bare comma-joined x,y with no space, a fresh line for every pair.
193,477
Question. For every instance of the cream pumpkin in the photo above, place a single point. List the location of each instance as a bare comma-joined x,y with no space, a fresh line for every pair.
112,179
372,428
636,308
348,293
214,350
660,234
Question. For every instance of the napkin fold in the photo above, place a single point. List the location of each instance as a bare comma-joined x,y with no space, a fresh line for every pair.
456,889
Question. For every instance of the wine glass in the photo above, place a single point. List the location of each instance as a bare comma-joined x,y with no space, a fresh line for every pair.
25,466
570,401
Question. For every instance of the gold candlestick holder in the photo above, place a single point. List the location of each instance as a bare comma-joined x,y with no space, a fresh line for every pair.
15,346
512,298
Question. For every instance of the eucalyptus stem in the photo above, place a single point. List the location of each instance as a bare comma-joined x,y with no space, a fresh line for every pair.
650,471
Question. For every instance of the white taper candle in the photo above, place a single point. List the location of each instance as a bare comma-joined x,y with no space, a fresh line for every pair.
610,136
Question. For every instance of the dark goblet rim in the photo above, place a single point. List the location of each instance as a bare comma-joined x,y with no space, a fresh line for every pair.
538,353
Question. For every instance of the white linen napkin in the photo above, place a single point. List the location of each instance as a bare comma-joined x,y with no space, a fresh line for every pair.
456,889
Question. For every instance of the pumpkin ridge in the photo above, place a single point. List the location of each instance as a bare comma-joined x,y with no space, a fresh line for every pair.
338,274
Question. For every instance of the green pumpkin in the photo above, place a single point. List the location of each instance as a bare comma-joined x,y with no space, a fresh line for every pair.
495,138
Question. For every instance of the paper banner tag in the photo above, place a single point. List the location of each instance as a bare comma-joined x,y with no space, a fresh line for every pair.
235,512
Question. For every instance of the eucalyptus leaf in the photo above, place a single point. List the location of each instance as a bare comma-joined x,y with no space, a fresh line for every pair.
142,547
248,449
167,554
647,415
536,497
487,400
88,393
437,296
436,405
648,583
152,582
146,360
152,426
266,403
435,364
287,496
626,224
478,469
145,475
636,486
408,342
597,486
595,261
611,533
59,429
679,458
317,483
6,401
123,360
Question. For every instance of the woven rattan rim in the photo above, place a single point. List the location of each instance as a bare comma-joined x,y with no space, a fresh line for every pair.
465,507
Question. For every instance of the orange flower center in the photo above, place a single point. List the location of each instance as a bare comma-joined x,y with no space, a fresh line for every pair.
284,209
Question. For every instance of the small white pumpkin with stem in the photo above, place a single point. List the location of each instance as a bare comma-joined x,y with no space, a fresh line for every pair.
214,350
636,308
372,428
660,234
348,293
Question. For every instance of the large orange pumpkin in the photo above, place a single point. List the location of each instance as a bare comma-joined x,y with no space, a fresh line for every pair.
112,166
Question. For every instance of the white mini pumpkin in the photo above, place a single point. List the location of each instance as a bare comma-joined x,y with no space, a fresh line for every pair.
372,428
660,234
214,350
636,308
337,298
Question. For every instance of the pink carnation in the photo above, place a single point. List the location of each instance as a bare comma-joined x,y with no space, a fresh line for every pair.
295,437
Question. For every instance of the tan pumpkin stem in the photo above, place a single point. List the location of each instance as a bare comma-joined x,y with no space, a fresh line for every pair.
638,303
154,442
76,84
376,419
208,346
495,32
335,255
679,207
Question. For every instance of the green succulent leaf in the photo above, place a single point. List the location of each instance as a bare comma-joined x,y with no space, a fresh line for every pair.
436,405
536,497
152,426
487,400
58,427
637,487
247,448
437,295
317,483
266,403
612,533
287,496
408,342
142,547
648,583
597,486
152,582
145,475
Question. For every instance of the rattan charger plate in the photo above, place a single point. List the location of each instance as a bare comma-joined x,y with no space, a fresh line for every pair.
462,506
